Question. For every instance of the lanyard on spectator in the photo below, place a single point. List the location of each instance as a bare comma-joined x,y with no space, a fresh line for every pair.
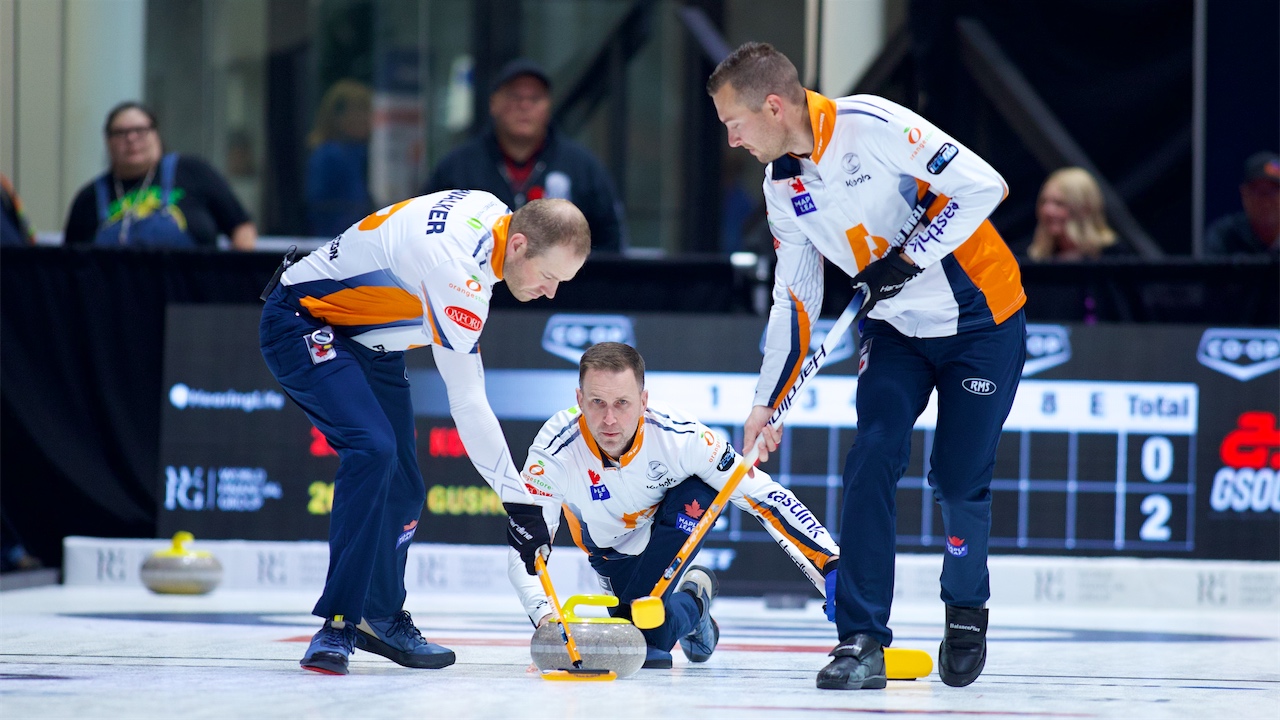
127,210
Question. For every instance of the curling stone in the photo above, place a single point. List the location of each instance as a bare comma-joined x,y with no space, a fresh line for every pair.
179,571
604,643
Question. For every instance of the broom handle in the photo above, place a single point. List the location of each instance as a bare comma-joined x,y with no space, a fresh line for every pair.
807,370
567,634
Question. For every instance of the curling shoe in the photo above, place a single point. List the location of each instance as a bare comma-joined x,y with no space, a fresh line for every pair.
330,648
656,659
397,639
699,644
858,665
963,651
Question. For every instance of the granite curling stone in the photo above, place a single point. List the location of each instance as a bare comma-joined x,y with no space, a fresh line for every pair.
179,571
604,643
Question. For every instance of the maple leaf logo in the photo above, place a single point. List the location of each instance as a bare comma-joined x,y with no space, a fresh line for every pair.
955,541
694,510
595,477
797,186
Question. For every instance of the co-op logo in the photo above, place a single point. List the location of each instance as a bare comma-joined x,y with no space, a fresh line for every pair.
1047,346
183,397
842,350
1242,354
568,336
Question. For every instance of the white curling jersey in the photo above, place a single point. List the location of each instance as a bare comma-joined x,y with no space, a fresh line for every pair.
417,273
877,167
609,506
421,272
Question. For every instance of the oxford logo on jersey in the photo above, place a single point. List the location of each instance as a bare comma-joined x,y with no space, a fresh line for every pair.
979,386
1047,346
1243,354
568,336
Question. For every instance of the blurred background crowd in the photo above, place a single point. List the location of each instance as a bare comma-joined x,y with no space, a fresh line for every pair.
298,116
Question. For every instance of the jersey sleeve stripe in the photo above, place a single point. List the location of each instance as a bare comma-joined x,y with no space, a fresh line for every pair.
799,347
437,334
816,555
853,111
575,528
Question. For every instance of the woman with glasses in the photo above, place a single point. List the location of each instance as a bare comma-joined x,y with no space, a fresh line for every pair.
150,198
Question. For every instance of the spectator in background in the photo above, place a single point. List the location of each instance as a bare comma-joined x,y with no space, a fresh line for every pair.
520,157
1255,230
14,229
150,198
338,170
1071,221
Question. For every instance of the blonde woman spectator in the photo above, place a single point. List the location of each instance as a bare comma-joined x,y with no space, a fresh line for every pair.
1071,222
338,169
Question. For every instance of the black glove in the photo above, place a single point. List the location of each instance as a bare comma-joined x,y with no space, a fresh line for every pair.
883,279
527,532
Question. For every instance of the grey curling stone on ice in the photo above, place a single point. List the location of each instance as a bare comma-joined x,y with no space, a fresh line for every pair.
179,571
604,643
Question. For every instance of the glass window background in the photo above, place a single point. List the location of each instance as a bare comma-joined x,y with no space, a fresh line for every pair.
240,82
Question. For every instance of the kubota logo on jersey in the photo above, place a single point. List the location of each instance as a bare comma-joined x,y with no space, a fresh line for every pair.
1250,479
463,317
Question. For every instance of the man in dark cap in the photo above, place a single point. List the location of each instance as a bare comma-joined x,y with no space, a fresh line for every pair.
520,157
1256,229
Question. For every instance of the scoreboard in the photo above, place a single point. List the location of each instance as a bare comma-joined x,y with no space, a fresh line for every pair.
1140,440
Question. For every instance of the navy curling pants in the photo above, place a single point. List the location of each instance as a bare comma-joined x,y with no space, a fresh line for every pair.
360,400
976,374
633,576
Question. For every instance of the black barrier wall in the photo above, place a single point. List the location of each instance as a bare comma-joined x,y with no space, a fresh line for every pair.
82,332
1155,441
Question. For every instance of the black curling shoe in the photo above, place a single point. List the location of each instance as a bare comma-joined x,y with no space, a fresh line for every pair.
963,651
858,665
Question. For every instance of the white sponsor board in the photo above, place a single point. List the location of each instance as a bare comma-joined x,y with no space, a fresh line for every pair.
482,570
